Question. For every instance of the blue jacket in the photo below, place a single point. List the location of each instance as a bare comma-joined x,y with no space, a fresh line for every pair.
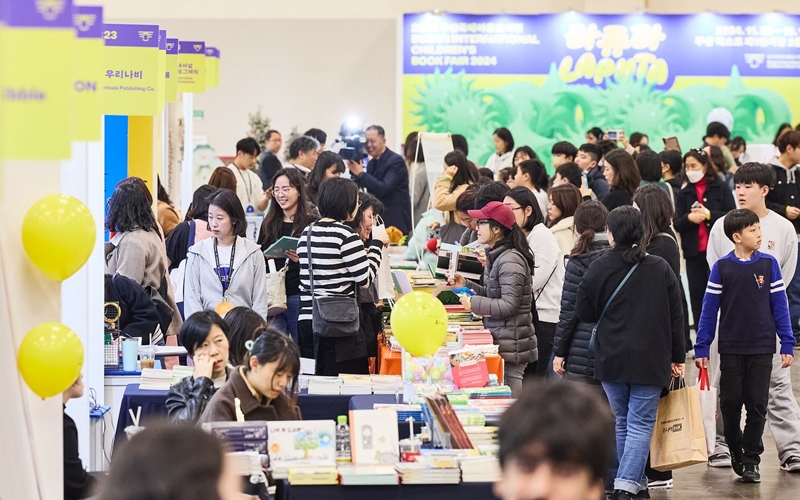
758,283
387,178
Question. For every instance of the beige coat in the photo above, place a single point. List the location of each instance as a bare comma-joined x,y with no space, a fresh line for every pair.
445,201
564,231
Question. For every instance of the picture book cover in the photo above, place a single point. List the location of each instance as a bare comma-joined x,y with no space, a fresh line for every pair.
302,440
469,368
374,437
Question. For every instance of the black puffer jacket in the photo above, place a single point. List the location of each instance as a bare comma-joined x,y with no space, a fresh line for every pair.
572,337
187,399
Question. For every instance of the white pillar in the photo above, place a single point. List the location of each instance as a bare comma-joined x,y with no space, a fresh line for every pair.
187,166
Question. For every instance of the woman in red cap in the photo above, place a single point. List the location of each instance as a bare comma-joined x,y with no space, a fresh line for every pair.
505,299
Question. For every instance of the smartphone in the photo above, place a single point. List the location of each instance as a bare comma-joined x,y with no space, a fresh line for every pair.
671,144
696,204
613,135
585,180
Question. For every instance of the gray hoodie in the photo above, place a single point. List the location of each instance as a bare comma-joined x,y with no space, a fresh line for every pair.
248,286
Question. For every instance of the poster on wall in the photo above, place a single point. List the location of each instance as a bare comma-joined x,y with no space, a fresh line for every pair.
552,77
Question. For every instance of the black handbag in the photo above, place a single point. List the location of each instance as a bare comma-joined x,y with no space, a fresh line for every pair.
331,317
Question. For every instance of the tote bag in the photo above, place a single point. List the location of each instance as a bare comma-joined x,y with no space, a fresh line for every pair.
708,405
678,437
276,288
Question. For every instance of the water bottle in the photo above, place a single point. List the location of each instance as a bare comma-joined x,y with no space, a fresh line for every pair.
342,440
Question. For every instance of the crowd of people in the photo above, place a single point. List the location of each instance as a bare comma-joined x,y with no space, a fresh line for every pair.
582,275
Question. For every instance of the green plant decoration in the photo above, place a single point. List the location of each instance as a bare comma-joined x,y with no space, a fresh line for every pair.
259,125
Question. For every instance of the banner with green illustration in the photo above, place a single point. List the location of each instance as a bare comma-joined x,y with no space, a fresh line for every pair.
552,77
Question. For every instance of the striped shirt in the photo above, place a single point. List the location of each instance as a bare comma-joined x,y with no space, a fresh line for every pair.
340,263
751,296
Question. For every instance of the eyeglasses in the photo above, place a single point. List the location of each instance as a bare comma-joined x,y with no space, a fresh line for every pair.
513,207
285,190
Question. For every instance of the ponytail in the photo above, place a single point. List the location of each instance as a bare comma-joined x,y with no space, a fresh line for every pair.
584,244
634,254
590,219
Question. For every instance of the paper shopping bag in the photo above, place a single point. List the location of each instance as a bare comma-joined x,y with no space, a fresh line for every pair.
678,438
708,406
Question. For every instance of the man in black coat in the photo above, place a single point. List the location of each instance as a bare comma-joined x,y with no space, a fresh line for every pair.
386,177
269,164
77,482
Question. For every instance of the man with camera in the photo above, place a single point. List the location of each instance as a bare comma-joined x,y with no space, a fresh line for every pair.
386,177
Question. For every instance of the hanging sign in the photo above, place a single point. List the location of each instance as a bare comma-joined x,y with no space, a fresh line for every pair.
212,67
162,67
36,96
88,22
171,80
130,72
192,67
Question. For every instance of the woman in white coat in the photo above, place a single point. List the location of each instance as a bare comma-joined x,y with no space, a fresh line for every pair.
226,270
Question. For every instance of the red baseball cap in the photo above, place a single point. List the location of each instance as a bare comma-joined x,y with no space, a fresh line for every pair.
496,211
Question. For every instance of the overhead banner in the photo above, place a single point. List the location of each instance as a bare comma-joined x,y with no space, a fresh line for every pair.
130,72
212,67
36,96
171,81
88,22
191,67
552,77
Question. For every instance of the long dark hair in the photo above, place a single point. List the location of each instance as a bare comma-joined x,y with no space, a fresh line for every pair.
567,198
228,202
197,327
517,240
129,209
243,323
162,193
625,225
467,172
590,219
525,198
624,166
702,157
505,135
270,346
367,201
167,463
657,211
527,150
198,208
325,160
717,159
273,221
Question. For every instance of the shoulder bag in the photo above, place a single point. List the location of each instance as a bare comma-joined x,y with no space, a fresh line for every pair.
335,316
276,288
610,300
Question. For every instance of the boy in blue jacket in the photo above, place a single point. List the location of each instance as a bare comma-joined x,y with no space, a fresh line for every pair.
748,288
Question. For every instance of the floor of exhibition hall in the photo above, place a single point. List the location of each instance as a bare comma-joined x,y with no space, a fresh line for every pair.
705,483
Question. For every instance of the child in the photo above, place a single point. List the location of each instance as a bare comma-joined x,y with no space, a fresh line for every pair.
747,336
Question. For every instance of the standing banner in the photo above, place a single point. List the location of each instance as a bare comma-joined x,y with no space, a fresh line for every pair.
131,77
171,82
88,22
162,67
36,80
192,67
552,77
212,67
435,146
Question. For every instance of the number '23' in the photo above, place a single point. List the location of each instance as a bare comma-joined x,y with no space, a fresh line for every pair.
110,35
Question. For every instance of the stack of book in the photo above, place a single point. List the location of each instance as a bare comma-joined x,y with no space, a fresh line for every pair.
324,385
241,436
301,444
428,473
481,470
403,411
354,385
367,475
386,384
245,463
313,476
155,380
180,372
482,436
475,336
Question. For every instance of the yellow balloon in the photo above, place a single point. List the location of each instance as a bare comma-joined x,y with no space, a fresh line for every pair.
419,322
50,359
58,234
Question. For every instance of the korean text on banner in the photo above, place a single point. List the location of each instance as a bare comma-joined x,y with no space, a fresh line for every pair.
162,67
171,81
130,76
212,67
192,67
36,101
88,22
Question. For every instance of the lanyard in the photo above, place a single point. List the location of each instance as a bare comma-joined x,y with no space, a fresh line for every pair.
224,280
248,183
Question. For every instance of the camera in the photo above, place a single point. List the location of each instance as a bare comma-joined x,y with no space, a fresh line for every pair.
351,144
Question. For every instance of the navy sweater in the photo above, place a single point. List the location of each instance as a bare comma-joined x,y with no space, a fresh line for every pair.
752,296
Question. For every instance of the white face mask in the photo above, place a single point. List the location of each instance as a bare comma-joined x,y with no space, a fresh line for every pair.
694,175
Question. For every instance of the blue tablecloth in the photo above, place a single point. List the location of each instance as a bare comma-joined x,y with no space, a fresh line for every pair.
471,491
153,403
